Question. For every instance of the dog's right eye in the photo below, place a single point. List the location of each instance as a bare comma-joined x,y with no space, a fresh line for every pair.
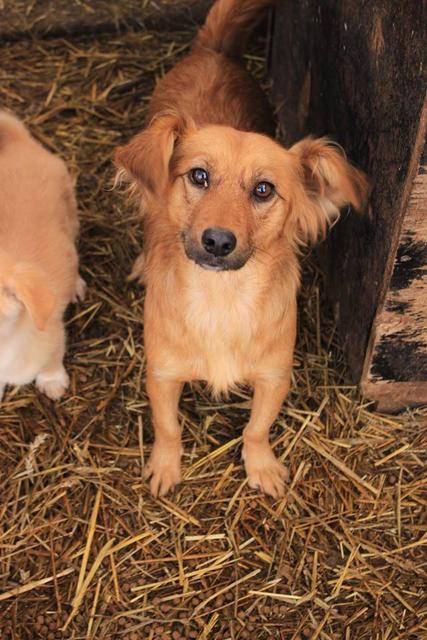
199,177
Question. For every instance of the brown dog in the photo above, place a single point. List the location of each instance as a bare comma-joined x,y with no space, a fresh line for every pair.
225,208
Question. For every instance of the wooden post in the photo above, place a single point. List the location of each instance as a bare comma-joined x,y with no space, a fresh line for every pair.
357,71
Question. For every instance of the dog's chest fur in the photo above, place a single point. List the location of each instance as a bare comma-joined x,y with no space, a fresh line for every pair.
221,318
212,322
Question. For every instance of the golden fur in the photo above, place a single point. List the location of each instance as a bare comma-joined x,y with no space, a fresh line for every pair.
38,260
238,324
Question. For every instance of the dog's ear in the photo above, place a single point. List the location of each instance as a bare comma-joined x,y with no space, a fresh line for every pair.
28,284
145,159
328,183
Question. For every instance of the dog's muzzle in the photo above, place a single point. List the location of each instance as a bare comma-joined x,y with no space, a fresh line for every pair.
217,250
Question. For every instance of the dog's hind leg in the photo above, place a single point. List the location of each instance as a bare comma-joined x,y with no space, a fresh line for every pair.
263,469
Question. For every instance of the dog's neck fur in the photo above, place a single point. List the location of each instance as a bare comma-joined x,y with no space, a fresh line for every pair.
269,283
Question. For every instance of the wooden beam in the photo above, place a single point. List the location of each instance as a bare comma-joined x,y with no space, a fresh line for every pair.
20,18
397,350
392,397
357,72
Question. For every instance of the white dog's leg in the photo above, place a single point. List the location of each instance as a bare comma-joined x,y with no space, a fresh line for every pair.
53,380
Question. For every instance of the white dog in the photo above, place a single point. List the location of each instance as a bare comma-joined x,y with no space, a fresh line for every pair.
38,260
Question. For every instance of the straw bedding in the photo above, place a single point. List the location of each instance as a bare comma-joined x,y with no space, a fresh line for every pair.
85,551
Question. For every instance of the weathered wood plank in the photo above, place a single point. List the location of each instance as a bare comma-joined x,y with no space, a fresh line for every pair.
19,18
357,71
392,397
398,347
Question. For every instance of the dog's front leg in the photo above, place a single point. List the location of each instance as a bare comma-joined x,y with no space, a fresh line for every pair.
264,471
164,464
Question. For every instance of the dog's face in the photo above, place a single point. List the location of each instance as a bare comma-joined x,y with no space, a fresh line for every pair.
230,194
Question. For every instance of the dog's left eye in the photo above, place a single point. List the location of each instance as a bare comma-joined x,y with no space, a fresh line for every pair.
199,177
263,190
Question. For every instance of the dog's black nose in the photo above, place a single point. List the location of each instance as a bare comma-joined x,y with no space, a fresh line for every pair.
219,242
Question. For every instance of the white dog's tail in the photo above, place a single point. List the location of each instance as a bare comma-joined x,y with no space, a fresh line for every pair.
229,24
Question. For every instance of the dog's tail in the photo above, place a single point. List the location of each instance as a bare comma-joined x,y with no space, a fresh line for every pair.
229,24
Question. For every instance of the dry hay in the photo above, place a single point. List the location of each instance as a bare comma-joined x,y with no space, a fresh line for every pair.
83,545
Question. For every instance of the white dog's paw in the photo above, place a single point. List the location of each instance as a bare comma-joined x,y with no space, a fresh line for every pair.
79,290
53,384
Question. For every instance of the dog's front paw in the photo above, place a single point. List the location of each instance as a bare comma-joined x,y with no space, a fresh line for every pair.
264,471
164,469
53,384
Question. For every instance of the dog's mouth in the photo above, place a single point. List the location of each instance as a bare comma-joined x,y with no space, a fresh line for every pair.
219,265
207,261
210,267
